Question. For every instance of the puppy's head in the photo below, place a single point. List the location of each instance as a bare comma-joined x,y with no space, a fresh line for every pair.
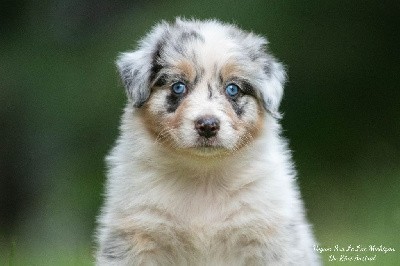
202,87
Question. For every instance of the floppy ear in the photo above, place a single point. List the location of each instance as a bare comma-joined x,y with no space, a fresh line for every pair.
134,69
273,72
137,68
273,86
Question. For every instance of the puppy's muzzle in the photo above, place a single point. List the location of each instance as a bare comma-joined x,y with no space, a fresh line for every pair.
207,126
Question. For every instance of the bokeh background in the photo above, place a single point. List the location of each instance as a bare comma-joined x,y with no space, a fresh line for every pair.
61,98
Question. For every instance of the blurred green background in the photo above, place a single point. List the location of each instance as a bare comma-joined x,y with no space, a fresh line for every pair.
61,98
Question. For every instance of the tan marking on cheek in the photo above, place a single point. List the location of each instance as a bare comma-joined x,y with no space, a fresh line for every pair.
153,116
235,121
176,119
160,124
256,128
248,130
149,120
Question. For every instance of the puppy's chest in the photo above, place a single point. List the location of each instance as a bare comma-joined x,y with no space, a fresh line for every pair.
201,226
206,238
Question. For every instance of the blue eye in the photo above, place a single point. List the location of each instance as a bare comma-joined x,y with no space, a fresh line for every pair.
232,90
179,88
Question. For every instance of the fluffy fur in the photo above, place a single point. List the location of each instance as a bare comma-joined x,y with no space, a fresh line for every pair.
182,190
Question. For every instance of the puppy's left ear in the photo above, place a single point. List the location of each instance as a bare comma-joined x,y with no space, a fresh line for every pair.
134,69
273,88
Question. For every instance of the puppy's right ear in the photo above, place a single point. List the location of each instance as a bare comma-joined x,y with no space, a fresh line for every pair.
134,69
137,68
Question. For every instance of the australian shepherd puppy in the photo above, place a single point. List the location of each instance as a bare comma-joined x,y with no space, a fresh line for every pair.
200,174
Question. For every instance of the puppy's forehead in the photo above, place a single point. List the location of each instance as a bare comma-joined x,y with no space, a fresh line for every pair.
207,47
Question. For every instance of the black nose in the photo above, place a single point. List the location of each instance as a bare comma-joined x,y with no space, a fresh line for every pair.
207,126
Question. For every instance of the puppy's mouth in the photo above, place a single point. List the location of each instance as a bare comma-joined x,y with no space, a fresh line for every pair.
203,142
208,147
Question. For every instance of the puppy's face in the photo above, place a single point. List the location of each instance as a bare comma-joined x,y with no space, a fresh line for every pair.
202,87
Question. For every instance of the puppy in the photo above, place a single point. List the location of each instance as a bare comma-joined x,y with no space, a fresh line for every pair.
199,174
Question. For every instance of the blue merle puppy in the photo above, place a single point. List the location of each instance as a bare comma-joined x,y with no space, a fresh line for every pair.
199,174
